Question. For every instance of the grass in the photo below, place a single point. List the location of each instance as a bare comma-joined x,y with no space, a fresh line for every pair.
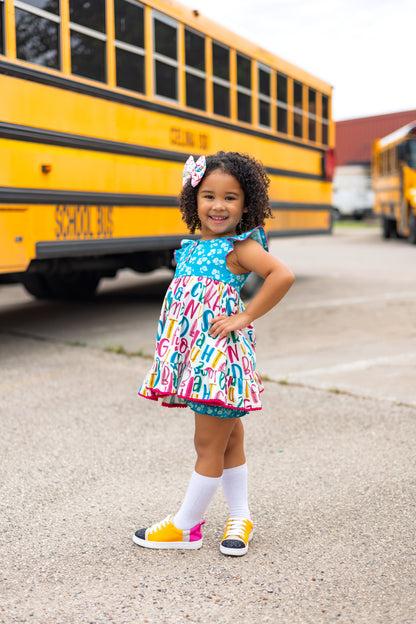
357,225
120,350
281,382
294,384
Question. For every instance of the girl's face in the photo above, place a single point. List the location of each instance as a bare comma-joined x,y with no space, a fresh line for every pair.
220,201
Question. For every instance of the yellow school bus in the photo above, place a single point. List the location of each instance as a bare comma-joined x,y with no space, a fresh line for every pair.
394,182
101,104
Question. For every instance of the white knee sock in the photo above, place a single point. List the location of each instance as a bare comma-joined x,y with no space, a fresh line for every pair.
234,484
198,496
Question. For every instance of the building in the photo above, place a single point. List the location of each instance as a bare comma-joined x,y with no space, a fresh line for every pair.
352,192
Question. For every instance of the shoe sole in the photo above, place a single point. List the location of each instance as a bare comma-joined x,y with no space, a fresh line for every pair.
236,552
168,545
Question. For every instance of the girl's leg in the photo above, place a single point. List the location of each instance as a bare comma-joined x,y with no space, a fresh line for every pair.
212,436
211,439
238,529
234,453
234,476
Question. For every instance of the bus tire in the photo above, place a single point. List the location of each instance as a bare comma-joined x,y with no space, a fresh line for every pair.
77,285
388,228
412,229
252,286
35,284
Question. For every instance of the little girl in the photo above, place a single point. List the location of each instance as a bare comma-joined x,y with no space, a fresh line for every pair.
205,350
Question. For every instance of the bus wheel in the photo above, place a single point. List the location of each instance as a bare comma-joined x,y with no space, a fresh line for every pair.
36,285
252,286
412,229
77,285
388,227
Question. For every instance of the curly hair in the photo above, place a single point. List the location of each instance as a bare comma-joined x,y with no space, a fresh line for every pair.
253,180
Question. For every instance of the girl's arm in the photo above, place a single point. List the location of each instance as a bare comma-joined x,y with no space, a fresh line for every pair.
250,256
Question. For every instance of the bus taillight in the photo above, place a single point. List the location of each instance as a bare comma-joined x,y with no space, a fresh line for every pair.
329,164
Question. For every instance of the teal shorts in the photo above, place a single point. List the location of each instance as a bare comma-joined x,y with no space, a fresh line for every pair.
215,410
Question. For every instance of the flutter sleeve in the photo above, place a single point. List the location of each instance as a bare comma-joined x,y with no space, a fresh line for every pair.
180,254
258,234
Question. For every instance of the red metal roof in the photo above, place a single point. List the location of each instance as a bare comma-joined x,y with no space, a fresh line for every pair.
355,137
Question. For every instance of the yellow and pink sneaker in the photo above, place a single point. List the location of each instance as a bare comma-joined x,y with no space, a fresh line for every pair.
164,534
238,533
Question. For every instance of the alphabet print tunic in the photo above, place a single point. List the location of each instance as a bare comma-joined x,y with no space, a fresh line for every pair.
189,364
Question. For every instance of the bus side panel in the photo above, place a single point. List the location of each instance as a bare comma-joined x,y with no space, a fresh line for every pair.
16,247
292,222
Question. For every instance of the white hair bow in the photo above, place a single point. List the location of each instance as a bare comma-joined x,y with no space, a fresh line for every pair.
194,171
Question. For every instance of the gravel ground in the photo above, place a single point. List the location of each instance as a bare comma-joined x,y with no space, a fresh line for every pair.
85,462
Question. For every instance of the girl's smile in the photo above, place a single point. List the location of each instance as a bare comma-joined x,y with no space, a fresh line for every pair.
220,201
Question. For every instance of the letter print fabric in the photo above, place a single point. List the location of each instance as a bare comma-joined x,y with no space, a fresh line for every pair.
189,364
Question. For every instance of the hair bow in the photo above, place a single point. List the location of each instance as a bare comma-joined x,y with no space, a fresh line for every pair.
194,171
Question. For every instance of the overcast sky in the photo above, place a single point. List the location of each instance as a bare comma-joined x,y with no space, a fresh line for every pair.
365,49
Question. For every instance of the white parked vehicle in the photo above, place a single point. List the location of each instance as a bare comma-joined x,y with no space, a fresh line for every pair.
352,194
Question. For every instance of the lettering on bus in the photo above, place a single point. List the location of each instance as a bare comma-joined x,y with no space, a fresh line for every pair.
83,222
189,138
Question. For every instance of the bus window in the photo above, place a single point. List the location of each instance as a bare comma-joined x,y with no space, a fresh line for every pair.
312,114
243,72
221,79
129,44
88,14
264,95
324,133
325,117
281,87
298,109
88,39
2,46
243,88
282,120
165,56
411,154
195,78
37,32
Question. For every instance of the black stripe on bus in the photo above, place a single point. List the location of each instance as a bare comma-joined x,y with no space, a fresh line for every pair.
75,141
81,248
10,195
34,75
62,249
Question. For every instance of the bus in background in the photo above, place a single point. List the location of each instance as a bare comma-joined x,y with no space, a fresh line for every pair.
394,182
101,105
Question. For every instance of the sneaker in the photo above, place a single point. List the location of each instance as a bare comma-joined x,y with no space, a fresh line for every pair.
238,533
166,535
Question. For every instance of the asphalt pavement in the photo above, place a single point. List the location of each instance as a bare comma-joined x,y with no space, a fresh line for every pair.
85,462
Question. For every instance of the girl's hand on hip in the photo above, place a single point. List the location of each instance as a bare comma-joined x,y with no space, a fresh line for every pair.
221,326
